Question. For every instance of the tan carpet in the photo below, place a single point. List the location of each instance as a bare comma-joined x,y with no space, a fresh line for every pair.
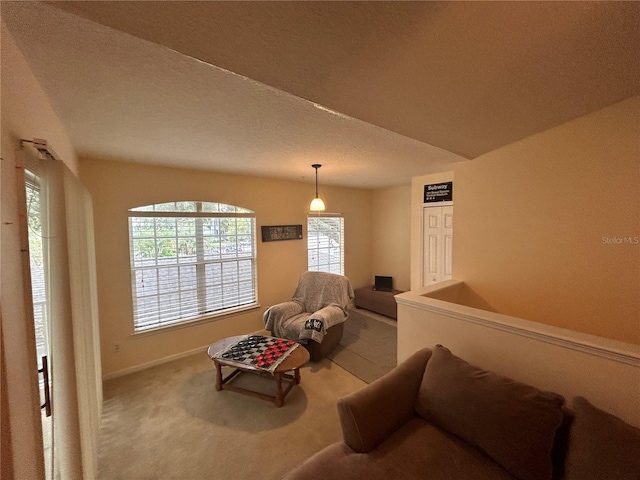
368,348
169,422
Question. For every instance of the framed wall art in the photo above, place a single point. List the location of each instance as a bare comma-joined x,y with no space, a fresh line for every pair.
274,233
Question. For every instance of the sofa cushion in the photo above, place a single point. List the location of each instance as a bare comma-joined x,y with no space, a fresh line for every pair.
417,450
601,446
513,423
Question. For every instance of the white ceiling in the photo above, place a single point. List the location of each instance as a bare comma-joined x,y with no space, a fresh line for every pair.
256,87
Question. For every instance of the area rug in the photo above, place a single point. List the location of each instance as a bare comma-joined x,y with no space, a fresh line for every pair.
368,348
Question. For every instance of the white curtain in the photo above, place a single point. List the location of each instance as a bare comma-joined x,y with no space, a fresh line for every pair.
76,375
75,348
86,328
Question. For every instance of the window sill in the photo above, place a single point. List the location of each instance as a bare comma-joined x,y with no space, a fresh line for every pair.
206,318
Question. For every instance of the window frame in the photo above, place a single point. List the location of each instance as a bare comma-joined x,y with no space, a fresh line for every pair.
325,266
202,304
40,292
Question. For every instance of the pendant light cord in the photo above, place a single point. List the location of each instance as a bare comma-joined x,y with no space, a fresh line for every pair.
316,166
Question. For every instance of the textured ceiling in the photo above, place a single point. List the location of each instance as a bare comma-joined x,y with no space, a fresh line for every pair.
255,87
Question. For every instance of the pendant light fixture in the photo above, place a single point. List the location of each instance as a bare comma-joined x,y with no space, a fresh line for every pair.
317,205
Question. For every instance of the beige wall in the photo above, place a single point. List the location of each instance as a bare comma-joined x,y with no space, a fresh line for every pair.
391,235
26,111
116,187
532,221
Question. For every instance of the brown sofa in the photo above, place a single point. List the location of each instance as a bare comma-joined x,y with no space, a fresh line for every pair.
437,417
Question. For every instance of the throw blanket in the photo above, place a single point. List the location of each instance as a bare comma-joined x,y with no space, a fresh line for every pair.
319,302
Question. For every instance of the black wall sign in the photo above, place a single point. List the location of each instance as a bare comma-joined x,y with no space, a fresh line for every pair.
438,192
272,233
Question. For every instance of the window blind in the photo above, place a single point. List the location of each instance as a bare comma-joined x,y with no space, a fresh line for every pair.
325,243
190,259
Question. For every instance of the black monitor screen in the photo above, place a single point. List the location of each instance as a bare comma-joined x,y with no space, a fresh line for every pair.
383,284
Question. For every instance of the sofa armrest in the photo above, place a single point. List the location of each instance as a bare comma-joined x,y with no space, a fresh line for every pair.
281,311
330,315
371,414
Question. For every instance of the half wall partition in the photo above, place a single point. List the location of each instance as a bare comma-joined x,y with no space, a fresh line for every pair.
571,363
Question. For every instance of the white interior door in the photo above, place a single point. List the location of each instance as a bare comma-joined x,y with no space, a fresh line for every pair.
437,238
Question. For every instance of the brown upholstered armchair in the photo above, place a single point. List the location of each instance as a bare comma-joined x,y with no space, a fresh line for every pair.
315,315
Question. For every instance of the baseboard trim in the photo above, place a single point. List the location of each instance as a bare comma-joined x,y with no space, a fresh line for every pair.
153,363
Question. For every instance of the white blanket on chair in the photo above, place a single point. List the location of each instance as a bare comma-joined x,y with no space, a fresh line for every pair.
319,302
302,326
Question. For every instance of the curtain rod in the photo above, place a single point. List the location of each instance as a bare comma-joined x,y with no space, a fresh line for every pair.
41,145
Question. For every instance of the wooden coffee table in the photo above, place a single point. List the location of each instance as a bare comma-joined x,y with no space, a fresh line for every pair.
292,364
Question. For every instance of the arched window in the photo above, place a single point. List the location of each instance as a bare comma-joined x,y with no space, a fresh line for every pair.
190,260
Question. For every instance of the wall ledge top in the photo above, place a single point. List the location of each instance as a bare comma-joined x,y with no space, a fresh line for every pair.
591,344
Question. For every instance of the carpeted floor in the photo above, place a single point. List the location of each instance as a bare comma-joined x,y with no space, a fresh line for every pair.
169,422
368,348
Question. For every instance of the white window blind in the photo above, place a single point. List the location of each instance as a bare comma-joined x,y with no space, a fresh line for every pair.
325,243
190,259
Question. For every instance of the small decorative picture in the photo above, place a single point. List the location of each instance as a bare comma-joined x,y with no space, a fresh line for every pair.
273,233
438,192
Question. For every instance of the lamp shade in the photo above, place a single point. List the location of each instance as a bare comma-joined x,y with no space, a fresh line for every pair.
317,205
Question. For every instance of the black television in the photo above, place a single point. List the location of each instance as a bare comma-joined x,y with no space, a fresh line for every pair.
383,284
